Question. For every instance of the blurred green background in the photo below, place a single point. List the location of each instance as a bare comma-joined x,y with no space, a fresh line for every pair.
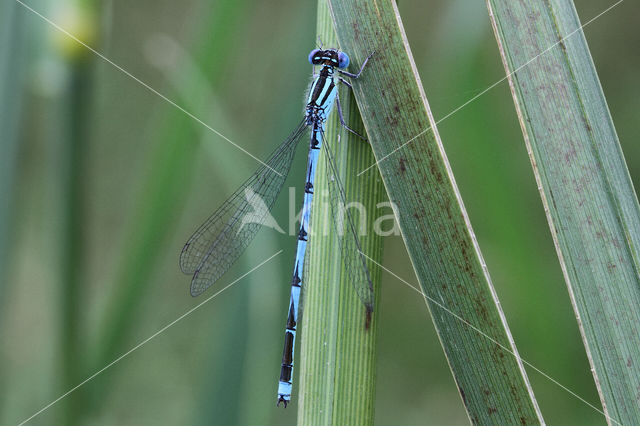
102,181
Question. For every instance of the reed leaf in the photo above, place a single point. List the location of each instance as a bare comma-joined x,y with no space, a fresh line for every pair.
434,224
337,354
13,66
14,63
586,190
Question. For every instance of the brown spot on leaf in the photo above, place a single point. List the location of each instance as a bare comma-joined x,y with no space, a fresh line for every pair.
403,165
586,124
464,397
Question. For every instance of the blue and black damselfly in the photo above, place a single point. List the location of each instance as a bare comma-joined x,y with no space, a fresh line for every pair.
218,242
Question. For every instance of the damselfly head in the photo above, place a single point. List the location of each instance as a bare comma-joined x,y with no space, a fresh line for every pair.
331,57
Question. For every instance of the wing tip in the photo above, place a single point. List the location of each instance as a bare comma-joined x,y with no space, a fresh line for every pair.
196,289
182,261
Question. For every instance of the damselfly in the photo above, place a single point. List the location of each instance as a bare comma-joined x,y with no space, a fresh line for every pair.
218,242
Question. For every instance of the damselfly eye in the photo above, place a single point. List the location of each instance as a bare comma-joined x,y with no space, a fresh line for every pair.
312,55
343,60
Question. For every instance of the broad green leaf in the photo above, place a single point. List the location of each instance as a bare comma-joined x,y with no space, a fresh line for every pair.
584,184
434,224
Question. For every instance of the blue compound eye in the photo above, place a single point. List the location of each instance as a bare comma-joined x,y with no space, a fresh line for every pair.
343,60
311,55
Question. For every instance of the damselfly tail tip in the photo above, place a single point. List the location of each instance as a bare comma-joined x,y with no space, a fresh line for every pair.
182,262
282,399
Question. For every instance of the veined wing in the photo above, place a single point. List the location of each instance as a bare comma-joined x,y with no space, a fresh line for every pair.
219,241
351,251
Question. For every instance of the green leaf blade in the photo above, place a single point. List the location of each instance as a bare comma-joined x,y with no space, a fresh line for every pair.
434,224
337,354
591,206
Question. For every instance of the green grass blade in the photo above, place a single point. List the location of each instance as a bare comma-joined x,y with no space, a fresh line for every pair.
78,99
434,224
584,183
337,356
74,122
172,166
14,66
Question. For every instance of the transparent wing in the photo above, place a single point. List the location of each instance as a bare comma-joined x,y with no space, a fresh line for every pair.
351,251
219,241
